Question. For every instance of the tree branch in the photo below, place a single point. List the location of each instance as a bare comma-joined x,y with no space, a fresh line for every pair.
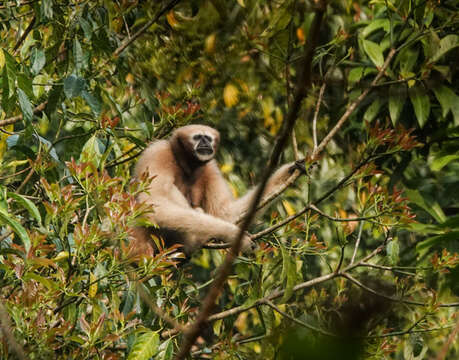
316,114
387,297
144,28
332,132
299,322
24,35
353,106
17,118
303,84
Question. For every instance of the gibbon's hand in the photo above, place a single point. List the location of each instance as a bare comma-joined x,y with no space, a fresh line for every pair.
247,244
298,165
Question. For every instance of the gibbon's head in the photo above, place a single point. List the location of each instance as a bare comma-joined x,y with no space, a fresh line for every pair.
199,141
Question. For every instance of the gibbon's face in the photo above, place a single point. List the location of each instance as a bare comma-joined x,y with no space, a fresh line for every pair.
199,141
204,145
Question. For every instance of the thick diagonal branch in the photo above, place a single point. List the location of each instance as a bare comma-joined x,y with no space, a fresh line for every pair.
303,84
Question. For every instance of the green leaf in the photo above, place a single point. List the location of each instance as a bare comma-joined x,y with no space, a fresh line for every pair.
27,204
423,247
407,59
288,273
433,208
374,52
86,28
375,25
17,228
421,104
92,101
10,67
54,98
166,350
46,10
448,100
78,57
396,101
38,60
372,110
26,106
393,249
25,83
145,346
91,151
50,285
442,161
73,86
448,43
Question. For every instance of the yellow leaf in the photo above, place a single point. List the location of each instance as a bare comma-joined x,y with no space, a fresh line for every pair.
61,256
209,45
234,191
230,95
2,59
241,322
288,208
93,287
130,78
226,168
171,19
300,35
3,137
241,3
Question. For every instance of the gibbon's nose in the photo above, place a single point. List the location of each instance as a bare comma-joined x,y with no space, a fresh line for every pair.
204,146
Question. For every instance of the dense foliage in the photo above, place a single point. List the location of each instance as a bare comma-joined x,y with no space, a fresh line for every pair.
369,269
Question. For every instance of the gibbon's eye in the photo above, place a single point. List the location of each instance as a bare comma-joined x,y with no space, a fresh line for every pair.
208,138
197,137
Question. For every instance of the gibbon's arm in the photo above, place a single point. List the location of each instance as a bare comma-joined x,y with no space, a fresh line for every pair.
242,204
172,211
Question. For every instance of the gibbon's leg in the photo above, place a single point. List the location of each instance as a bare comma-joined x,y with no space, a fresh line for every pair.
140,242
196,227
242,204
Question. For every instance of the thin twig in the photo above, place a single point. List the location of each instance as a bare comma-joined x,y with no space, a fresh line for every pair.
24,35
16,173
26,180
303,84
330,135
357,242
144,28
316,114
353,106
388,268
158,311
374,292
297,321
404,332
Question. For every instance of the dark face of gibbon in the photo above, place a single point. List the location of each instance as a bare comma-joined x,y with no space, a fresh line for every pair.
203,147
199,142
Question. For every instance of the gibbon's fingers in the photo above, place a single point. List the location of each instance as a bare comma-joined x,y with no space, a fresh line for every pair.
247,244
298,165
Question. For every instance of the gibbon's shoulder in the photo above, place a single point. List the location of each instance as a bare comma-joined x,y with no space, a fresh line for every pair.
157,155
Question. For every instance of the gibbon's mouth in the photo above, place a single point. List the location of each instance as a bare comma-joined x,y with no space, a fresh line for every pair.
204,150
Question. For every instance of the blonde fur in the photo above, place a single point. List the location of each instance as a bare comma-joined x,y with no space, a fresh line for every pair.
190,199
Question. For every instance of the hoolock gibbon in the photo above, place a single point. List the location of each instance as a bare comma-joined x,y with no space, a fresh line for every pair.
191,201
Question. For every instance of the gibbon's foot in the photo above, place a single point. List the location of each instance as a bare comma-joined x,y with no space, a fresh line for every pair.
298,165
247,244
